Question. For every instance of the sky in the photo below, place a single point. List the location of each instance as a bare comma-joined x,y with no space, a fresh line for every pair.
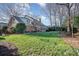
36,10
33,9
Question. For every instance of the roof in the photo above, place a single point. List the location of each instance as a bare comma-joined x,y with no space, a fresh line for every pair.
34,20
24,20
19,19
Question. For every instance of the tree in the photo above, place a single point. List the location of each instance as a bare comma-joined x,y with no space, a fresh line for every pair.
16,9
50,10
68,6
20,28
53,10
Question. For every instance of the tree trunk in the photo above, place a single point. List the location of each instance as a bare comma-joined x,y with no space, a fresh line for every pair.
69,22
50,16
69,26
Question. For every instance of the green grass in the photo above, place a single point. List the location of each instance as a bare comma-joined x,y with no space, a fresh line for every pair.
41,43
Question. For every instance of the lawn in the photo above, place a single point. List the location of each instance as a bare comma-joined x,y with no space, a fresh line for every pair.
41,44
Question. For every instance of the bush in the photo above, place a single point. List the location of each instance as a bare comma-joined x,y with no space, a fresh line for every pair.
49,29
75,30
56,29
61,29
20,28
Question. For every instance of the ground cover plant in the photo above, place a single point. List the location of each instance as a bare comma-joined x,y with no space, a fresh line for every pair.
41,43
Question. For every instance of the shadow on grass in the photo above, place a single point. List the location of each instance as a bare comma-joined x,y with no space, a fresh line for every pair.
45,34
45,40
8,49
5,51
2,38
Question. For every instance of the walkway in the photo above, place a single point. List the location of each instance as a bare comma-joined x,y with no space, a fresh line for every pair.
74,42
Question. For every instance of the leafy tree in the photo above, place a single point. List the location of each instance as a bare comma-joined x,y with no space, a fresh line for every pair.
20,28
76,21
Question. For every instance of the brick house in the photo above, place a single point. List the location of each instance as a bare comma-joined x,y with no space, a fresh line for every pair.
31,23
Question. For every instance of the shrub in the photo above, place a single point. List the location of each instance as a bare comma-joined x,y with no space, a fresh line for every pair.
49,29
56,29
75,30
61,29
20,28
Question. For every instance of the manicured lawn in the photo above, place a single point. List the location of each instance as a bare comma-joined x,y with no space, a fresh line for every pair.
42,43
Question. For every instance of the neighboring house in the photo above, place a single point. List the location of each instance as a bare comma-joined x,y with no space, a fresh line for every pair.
31,23
2,24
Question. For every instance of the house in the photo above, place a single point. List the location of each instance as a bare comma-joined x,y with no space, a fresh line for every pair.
13,22
31,23
2,24
34,24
